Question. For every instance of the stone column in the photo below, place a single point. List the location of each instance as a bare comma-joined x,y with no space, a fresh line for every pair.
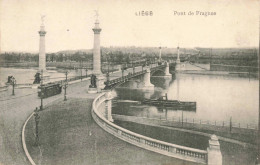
214,153
42,56
178,61
178,55
178,86
160,55
96,49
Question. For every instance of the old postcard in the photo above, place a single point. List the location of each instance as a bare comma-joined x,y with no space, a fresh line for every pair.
124,82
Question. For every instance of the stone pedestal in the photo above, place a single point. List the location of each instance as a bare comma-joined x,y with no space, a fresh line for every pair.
214,153
92,90
99,85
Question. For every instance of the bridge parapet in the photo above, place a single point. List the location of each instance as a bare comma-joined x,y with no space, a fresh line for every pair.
146,72
168,149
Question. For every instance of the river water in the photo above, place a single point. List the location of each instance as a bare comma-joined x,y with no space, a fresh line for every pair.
219,98
26,75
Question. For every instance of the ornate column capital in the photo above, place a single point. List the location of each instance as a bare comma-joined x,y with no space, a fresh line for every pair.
42,33
96,31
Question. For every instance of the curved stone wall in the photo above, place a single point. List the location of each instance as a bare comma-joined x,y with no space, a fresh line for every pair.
168,149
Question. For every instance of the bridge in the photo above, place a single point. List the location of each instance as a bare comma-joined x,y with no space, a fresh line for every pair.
144,74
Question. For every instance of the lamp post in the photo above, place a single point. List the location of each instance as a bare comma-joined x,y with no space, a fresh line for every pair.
122,69
37,120
86,71
258,141
13,82
182,118
65,86
258,132
133,64
41,107
143,67
80,69
107,55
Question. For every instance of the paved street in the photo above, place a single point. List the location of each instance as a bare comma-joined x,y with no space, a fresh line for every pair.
13,114
15,110
68,135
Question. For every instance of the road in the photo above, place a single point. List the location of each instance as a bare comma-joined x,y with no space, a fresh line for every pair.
15,110
13,114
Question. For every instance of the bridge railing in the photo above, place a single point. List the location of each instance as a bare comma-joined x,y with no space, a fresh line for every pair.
69,79
120,79
131,75
172,150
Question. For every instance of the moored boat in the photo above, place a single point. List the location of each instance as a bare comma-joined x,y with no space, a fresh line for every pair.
172,104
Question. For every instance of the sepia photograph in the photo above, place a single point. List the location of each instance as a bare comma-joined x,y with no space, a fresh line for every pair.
129,82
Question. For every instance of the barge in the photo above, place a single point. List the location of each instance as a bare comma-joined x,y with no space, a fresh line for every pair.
171,104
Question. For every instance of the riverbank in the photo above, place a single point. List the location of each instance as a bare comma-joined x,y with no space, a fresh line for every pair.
231,153
69,135
241,136
69,65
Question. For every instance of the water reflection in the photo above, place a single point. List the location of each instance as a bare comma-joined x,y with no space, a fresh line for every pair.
218,98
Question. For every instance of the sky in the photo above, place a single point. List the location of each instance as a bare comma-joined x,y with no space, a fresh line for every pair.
69,23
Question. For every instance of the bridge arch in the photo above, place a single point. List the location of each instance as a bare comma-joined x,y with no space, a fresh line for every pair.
158,71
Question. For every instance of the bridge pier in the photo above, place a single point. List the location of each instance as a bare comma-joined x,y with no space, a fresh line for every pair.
166,70
146,80
148,94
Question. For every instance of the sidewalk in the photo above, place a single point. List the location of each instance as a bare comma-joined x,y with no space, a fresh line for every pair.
69,135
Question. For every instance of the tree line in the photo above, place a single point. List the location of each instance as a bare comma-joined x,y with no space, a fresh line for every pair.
127,55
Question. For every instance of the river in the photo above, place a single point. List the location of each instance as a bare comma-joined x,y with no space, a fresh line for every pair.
219,98
26,75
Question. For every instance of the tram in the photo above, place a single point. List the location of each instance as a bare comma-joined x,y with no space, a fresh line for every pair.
49,89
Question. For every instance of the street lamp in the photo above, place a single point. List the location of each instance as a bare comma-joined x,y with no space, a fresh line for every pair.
122,69
143,67
13,82
37,120
41,107
133,64
107,56
65,86
80,63
86,71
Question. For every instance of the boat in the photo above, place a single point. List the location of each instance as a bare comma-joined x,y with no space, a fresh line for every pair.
171,104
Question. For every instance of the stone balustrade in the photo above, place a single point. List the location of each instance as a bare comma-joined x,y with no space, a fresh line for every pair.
168,149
